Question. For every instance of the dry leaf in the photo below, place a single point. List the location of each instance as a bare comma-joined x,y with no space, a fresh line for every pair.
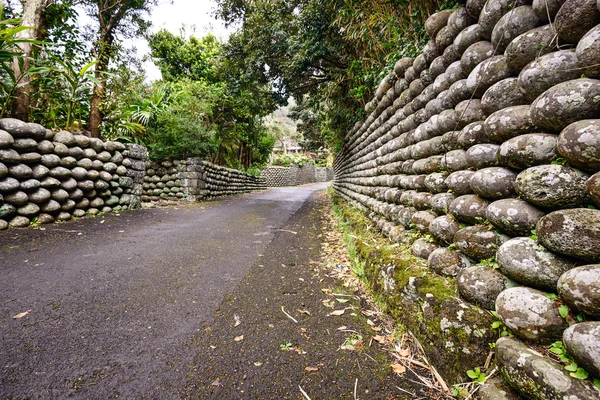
404,352
375,328
398,368
304,312
21,315
237,320
337,312
379,339
347,347
342,300
258,363
239,338
311,369
216,383
342,328
370,322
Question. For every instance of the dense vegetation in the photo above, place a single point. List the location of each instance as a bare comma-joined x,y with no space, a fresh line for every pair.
214,97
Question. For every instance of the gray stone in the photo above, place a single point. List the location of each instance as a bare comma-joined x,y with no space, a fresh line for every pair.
76,152
9,156
422,248
60,195
97,145
49,182
495,389
45,147
468,111
28,210
68,162
20,171
482,155
481,285
68,205
63,216
444,228
469,208
455,160
50,160
89,153
3,170
528,150
421,220
52,206
60,173
575,18
60,149
582,341
17,198
503,94
65,138
475,54
492,11
25,144
105,176
552,186
447,262
528,46
493,183
566,103
508,123
21,129
19,221
474,7
546,9
436,22
81,140
68,184
402,65
512,24
486,74
459,20
79,173
547,71
76,194
86,184
513,216
580,289
592,188
459,182
6,140
534,376
39,172
29,185
478,242
466,38
104,156
579,144
530,315
31,158
573,232
7,211
45,218
588,52
525,261
440,203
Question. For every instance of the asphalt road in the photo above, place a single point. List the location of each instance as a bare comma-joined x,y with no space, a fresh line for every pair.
114,304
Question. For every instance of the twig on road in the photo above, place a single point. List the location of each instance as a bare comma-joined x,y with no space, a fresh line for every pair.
289,316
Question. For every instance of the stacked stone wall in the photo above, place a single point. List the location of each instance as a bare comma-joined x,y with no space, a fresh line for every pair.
323,174
48,176
195,180
296,175
488,145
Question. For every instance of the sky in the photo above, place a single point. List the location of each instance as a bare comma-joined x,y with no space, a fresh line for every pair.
197,17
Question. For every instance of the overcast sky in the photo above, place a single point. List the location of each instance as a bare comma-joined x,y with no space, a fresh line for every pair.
194,14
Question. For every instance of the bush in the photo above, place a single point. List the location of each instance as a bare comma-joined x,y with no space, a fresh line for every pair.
286,159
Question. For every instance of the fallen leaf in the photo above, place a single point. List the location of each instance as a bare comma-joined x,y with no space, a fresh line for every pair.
239,338
216,383
237,320
258,363
311,369
342,328
304,312
404,352
337,312
398,368
326,291
379,339
21,315
347,347
370,322
375,328
342,300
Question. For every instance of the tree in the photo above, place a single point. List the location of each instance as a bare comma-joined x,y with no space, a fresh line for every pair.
114,17
32,17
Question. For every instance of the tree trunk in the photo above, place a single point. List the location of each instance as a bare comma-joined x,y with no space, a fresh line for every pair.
32,13
103,57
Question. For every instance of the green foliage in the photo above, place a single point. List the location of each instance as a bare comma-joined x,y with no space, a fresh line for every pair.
477,375
575,371
563,310
499,326
285,160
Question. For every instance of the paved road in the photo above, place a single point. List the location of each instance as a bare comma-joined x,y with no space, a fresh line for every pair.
116,302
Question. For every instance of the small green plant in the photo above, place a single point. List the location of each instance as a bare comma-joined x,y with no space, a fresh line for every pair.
285,346
575,371
559,161
489,262
499,326
477,375
533,235
563,310
551,296
459,392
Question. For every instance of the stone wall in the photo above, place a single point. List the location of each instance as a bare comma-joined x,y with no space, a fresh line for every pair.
48,176
296,175
487,145
195,180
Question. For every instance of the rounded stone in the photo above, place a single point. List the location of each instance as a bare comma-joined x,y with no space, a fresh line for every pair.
19,128
28,210
39,196
572,232
63,216
566,103
515,22
68,162
588,52
68,184
547,71
580,289
421,220
76,152
478,242
546,10
45,147
76,194
468,111
440,203
7,211
458,92
459,20
97,202
97,145
6,140
39,172
31,158
50,160
471,135
582,341
60,173
592,188
60,149
530,315
486,74
97,165
29,185
19,222
104,156
493,183
65,138
17,198
481,285
579,144
45,218
25,144
528,150
482,156
20,171
459,182
528,46
455,160
444,228
79,173
474,7
81,140
468,36
552,186
52,206
469,208
60,195
508,123
525,261
491,13
475,54
68,205
444,38
575,18
513,216
447,262
9,156
8,185
422,248
503,94
3,170
49,182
